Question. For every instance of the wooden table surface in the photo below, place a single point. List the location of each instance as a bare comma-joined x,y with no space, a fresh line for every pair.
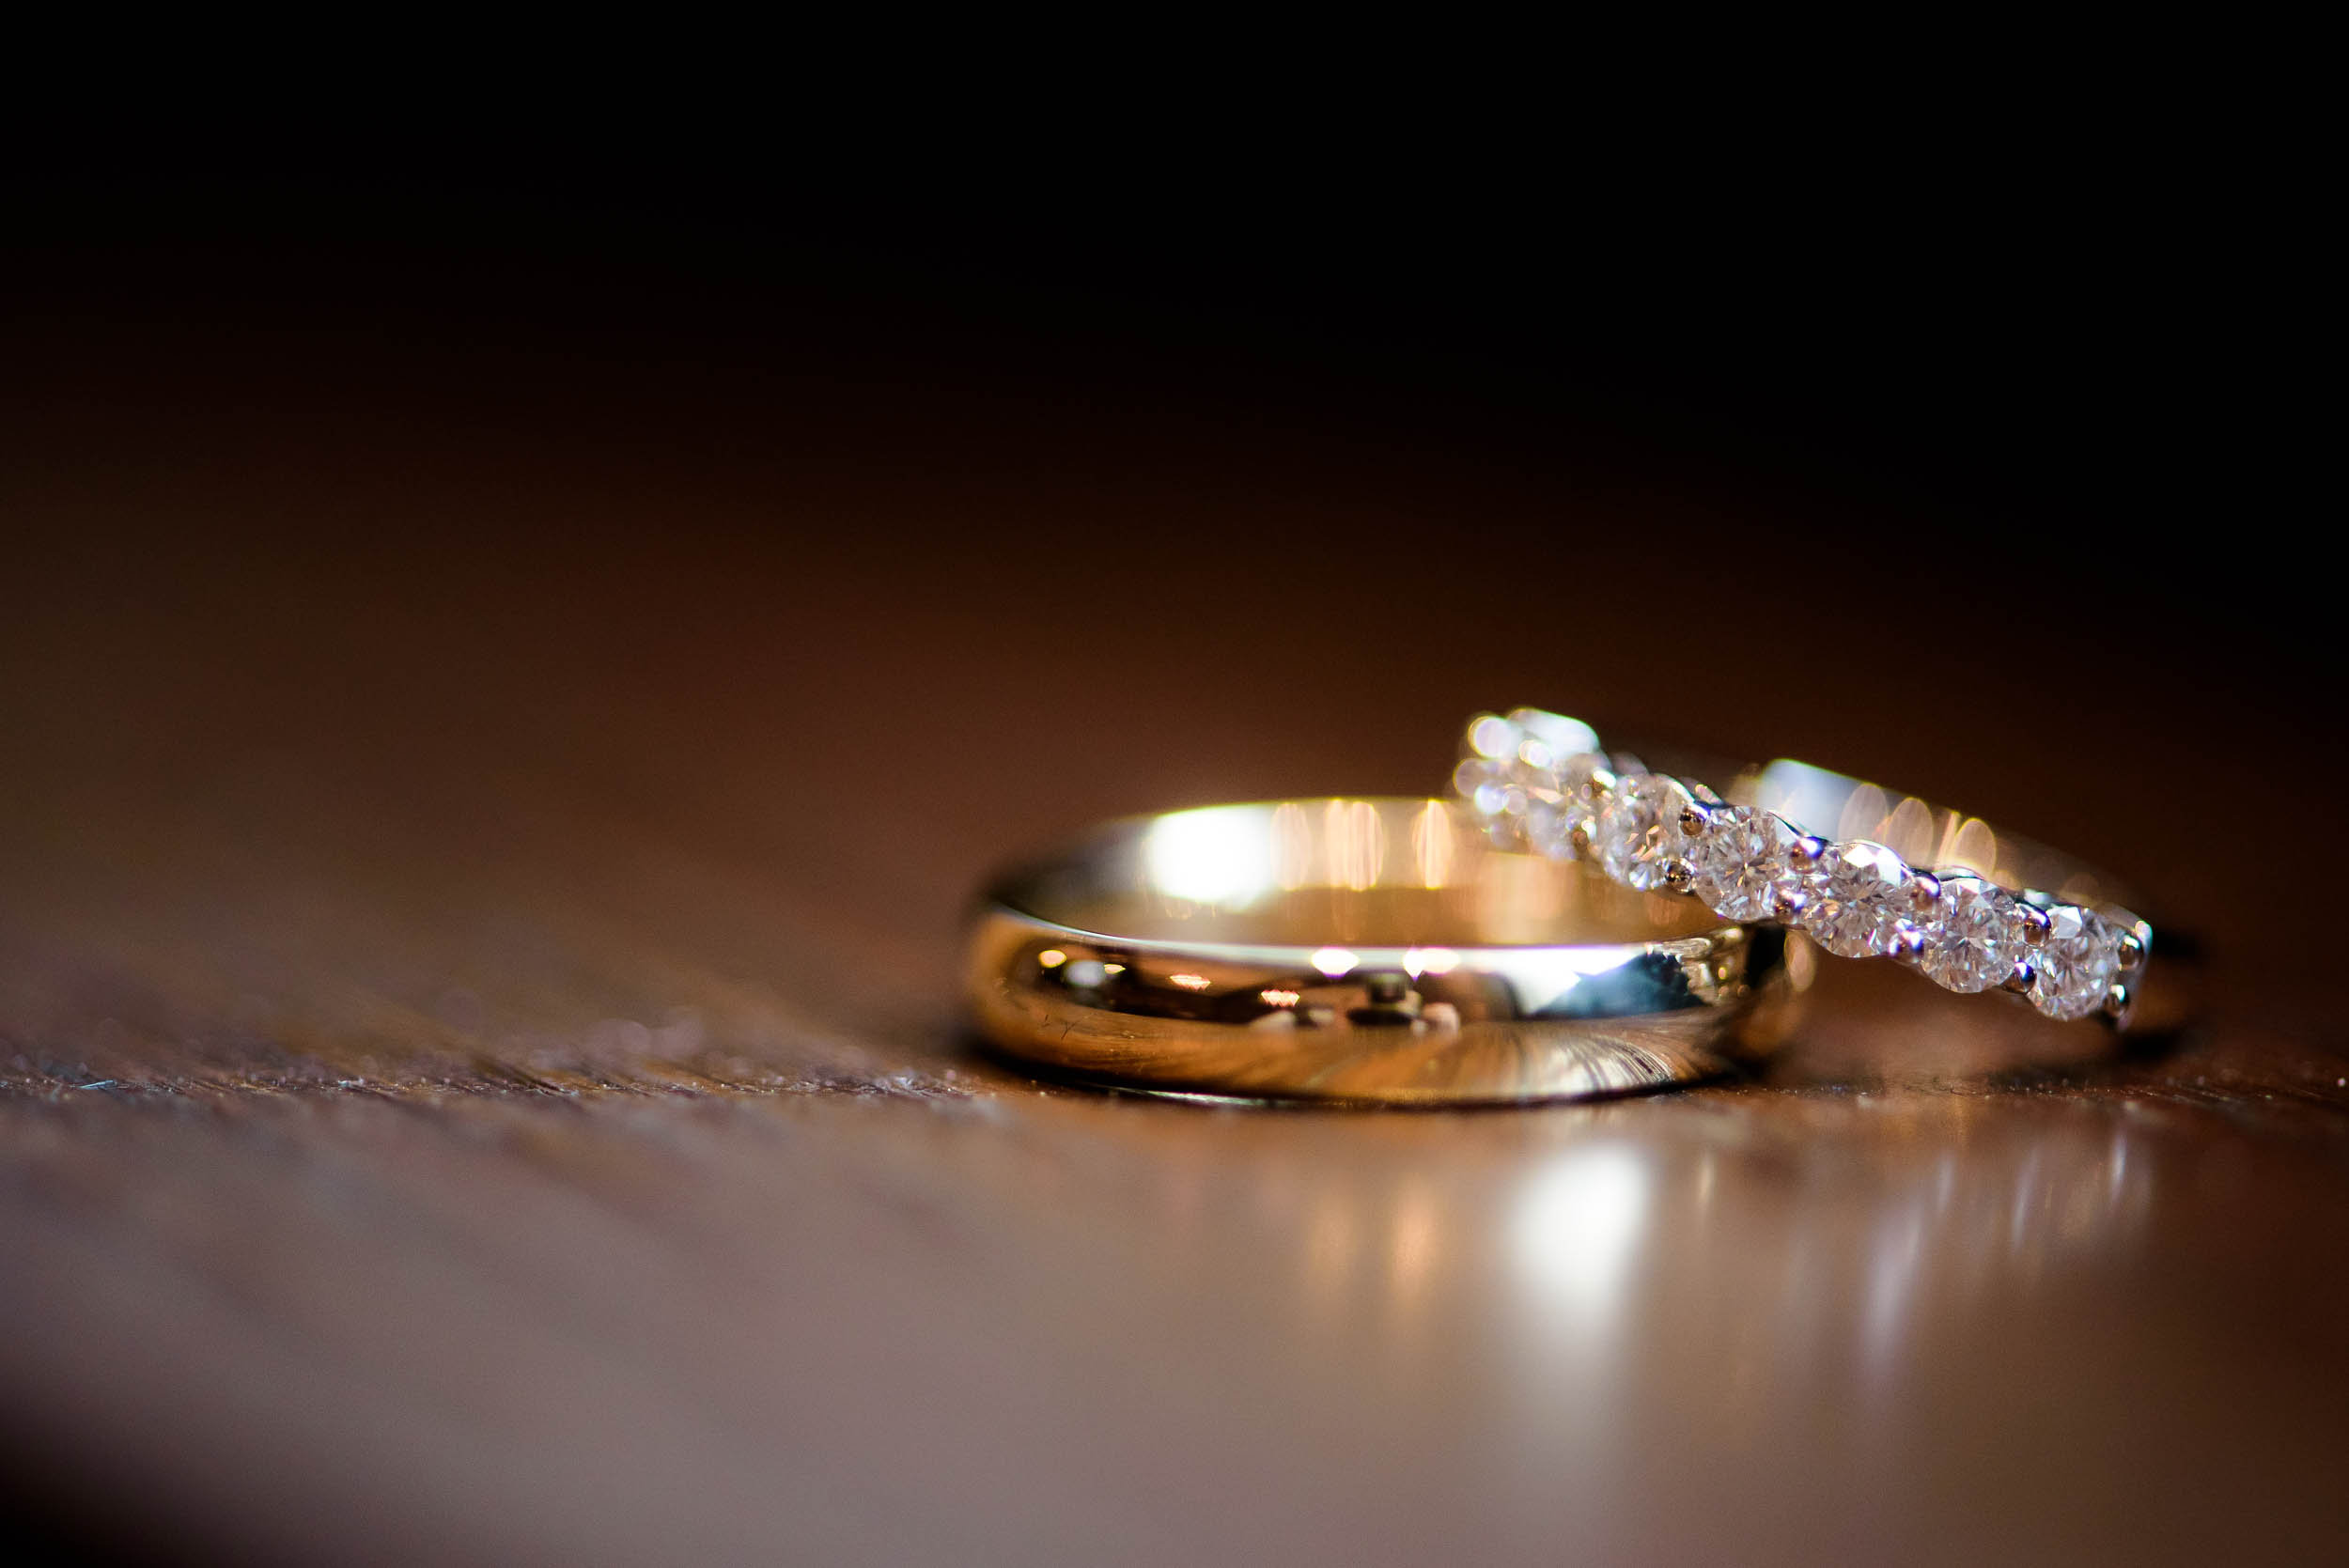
482,840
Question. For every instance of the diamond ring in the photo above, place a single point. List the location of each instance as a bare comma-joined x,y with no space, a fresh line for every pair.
1861,870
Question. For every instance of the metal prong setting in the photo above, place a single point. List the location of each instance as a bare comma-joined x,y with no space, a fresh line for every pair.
1925,888
2117,1002
1908,942
1580,836
2034,924
1787,906
2132,951
1600,786
1806,849
1678,875
2020,980
1694,819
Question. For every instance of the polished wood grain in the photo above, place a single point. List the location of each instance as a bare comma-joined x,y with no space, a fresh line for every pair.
481,865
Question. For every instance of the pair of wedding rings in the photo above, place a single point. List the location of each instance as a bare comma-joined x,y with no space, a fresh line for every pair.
1570,922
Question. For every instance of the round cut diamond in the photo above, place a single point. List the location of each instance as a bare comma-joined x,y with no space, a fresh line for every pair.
1639,837
1528,804
1741,862
1576,806
2075,966
1858,899
1528,798
1563,736
1550,830
1481,782
1574,774
1493,737
1974,935
1486,784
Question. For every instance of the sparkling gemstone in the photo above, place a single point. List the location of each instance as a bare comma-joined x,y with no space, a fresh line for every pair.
1485,784
1973,934
1529,798
1474,776
1550,830
1741,863
1493,737
1576,806
1575,771
1639,834
1858,898
2077,963
1563,736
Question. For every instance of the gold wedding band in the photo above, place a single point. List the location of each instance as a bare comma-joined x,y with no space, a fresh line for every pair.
1368,950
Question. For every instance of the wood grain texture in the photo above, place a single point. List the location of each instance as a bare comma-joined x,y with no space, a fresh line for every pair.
480,1076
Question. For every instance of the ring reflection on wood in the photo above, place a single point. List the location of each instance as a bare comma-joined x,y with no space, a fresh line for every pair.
1378,951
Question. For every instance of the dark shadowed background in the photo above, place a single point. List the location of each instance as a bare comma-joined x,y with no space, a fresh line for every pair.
508,680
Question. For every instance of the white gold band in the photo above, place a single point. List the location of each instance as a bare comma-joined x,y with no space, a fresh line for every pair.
1861,870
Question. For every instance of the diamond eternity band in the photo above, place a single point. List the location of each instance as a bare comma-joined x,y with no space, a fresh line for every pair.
1862,871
